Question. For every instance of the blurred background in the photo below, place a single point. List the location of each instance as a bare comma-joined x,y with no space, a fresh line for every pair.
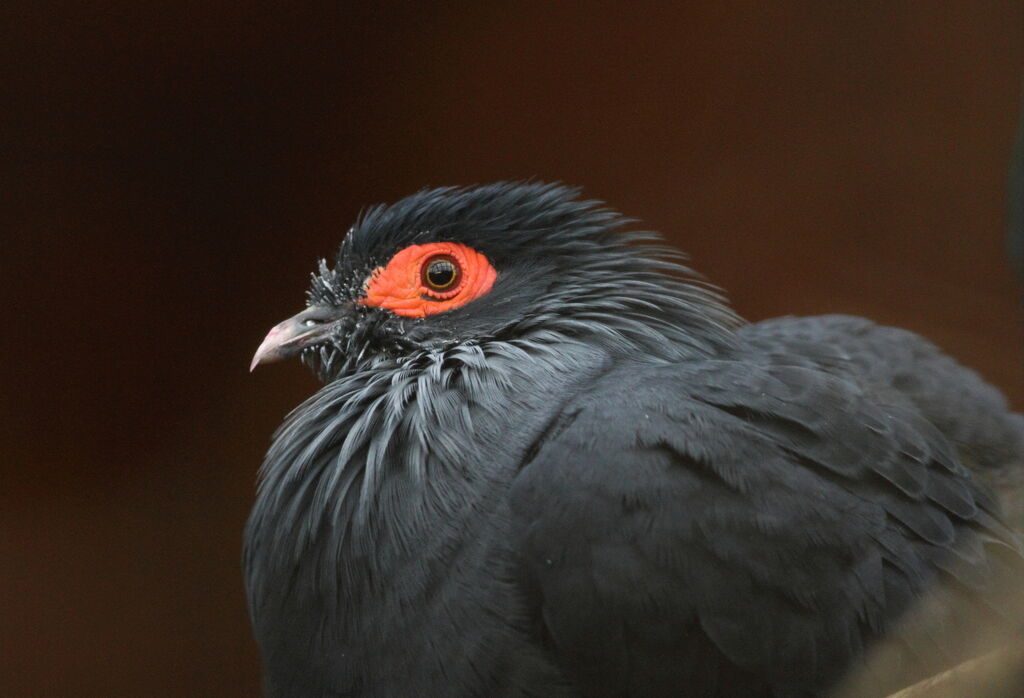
170,173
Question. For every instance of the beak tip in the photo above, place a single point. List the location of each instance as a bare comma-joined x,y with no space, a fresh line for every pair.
266,351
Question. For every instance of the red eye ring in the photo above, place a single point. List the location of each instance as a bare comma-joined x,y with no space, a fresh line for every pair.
441,273
403,287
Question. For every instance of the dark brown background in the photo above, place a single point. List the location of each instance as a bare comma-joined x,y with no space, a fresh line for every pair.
170,175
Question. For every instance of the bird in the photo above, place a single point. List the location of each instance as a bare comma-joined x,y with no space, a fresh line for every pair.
548,459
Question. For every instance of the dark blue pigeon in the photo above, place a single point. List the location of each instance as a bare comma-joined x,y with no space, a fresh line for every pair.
546,461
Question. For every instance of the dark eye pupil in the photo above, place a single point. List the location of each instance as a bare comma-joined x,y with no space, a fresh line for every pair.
441,273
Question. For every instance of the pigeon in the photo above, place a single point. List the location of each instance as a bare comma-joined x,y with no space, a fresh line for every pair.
547,459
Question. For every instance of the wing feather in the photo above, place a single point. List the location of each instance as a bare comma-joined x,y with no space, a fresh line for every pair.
744,527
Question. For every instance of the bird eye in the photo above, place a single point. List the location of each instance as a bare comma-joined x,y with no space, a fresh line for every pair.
435,277
440,273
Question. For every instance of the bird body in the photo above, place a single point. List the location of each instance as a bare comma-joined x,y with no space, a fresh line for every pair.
544,464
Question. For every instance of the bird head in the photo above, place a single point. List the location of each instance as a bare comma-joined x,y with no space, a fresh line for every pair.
499,262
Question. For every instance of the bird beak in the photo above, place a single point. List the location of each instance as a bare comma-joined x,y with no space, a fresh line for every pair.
290,337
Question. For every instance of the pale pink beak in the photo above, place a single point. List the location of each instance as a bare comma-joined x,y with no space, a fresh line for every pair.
290,337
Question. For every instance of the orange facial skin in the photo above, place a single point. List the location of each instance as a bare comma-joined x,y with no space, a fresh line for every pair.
403,287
